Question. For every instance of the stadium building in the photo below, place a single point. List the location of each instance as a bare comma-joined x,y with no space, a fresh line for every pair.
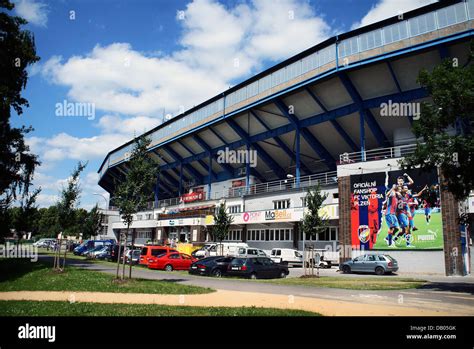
338,114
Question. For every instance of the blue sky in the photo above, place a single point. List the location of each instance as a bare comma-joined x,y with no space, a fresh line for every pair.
136,61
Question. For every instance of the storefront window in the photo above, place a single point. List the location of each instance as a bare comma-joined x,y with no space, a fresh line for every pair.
329,234
270,234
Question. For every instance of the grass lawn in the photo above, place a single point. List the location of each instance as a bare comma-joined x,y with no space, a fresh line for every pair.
428,236
23,275
369,283
34,308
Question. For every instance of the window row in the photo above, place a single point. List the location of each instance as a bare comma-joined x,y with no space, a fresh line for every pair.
414,26
284,234
328,234
281,204
143,235
234,209
234,235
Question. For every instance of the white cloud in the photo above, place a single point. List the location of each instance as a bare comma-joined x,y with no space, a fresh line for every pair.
119,79
51,188
46,200
114,131
388,8
34,12
128,126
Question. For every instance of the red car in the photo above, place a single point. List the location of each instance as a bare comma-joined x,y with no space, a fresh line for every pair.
171,261
150,251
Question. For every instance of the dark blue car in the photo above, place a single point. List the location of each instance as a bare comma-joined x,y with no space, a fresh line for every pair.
89,245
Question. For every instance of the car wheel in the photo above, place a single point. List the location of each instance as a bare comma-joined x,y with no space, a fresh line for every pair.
169,267
217,273
282,274
253,276
379,271
346,269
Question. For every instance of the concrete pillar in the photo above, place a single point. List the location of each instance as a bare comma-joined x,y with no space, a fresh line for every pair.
453,261
345,243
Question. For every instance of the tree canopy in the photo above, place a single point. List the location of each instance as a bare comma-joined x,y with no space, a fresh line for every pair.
445,124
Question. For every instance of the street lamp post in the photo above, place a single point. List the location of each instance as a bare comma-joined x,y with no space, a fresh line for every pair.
105,199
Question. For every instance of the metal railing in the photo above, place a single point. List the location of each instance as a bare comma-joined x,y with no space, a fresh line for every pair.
377,154
290,184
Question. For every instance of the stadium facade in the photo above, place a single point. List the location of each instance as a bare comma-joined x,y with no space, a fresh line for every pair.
338,114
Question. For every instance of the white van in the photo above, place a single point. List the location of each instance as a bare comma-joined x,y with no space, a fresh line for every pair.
250,252
287,255
216,249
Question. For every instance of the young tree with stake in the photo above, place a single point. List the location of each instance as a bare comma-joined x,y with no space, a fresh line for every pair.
222,223
313,222
135,191
67,207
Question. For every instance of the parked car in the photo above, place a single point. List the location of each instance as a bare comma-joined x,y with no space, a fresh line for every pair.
288,256
114,252
379,264
104,252
93,253
250,252
135,256
256,268
171,261
216,249
150,251
90,245
43,242
211,266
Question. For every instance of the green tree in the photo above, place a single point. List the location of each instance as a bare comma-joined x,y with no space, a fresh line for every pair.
313,221
69,200
17,164
222,223
23,217
78,222
444,126
92,223
47,222
135,191
67,211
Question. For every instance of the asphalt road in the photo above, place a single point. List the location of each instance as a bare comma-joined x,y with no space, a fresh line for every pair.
444,294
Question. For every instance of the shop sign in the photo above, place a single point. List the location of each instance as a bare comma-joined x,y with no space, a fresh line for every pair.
191,197
276,215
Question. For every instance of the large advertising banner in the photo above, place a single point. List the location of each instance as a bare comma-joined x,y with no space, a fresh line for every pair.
397,210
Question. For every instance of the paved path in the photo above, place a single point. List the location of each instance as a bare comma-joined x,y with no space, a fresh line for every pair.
455,297
230,299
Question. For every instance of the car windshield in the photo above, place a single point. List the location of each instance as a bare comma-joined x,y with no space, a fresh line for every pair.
157,252
238,261
83,244
389,257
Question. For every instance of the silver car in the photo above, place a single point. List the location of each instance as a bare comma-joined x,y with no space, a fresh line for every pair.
379,264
